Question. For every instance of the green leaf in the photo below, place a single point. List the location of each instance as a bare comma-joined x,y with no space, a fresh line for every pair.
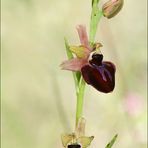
69,53
76,75
110,144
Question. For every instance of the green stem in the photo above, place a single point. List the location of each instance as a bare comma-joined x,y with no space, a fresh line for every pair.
80,98
95,18
96,15
79,85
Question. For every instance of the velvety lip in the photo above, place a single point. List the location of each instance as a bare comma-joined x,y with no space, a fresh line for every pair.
101,75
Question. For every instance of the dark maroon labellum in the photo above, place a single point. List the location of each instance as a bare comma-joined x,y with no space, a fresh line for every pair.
101,75
74,146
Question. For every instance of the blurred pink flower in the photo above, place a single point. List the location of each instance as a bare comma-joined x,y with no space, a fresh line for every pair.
133,103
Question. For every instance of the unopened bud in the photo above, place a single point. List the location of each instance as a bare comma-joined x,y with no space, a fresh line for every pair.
112,7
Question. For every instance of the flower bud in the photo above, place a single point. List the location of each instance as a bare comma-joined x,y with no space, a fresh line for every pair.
72,141
77,139
111,8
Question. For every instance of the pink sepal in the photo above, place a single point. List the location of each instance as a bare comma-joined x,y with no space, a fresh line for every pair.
74,64
83,36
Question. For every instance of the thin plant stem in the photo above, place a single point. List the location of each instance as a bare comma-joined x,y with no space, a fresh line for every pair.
95,18
96,15
80,100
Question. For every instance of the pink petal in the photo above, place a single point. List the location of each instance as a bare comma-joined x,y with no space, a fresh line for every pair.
73,64
83,36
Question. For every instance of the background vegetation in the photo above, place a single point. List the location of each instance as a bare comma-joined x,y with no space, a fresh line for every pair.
38,100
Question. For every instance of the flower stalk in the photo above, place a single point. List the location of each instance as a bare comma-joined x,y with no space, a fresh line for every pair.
80,100
96,72
95,18
79,86
96,15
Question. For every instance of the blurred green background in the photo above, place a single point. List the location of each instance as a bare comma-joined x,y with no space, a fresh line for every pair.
38,99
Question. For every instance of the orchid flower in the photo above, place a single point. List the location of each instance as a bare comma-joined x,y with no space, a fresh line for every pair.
89,61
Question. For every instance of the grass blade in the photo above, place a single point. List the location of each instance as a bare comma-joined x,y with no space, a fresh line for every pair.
110,144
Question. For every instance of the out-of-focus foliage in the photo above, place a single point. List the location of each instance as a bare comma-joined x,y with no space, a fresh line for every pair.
111,143
38,99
